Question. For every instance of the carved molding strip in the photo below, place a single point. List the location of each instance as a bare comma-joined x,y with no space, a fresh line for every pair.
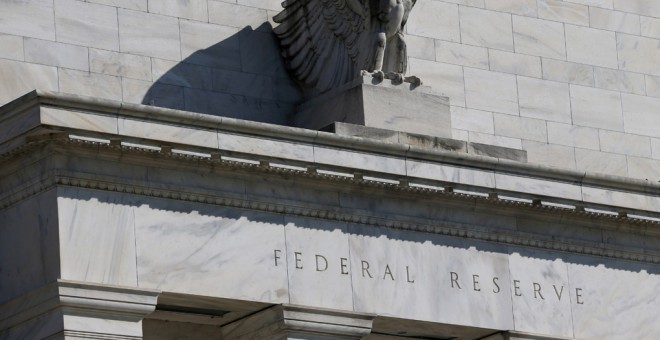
54,178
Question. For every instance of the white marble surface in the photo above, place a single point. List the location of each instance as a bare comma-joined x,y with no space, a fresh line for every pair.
564,11
530,129
520,64
591,46
363,160
567,72
600,162
89,84
486,28
596,108
28,18
621,199
317,260
86,24
265,147
520,7
189,9
543,99
638,54
571,135
20,78
543,187
491,91
149,34
620,299
451,174
77,120
28,245
120,64
167,133
435,19
539,37
614,47
395,259
637,112
11,47
615,20
540,292
56,54
211,251
97,238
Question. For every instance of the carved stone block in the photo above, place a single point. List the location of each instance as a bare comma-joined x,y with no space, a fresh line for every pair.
380,104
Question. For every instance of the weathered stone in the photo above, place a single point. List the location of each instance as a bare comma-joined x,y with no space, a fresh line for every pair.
568,72
381,105
618,80
443,78
520,7
486,28
120,64
564,11
638,54
435,19
491,91
520,127
90,84
149,35
19,78
596,108
33,19
189,9
86,24
514,63
56,54
460,54
614,20
11,47
543,99
497,152
590,46
539,37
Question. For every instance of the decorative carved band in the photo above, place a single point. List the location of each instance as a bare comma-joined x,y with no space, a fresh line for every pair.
57,177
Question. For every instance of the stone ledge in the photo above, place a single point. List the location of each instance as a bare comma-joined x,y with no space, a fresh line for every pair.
426,141
41,113
370,102
296,135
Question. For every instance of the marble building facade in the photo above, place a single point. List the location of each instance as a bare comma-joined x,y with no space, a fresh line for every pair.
152,187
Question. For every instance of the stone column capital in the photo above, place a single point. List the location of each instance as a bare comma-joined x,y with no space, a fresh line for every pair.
291,321
65,308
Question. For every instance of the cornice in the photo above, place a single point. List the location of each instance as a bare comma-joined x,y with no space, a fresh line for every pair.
57,177
200,120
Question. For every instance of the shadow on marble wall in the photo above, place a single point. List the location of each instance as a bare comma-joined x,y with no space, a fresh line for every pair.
242,76
202,219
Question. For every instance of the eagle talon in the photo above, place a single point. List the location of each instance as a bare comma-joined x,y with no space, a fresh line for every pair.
413,80
397,78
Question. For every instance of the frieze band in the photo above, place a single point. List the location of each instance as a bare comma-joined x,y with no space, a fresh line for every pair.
474,282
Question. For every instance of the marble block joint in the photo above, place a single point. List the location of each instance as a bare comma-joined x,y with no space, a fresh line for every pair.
380,104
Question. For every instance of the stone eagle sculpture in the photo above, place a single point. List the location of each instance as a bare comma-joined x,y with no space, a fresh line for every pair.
327,43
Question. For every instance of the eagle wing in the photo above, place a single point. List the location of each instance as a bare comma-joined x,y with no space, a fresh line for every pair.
321,40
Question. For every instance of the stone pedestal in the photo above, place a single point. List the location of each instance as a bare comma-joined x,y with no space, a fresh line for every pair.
379,104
